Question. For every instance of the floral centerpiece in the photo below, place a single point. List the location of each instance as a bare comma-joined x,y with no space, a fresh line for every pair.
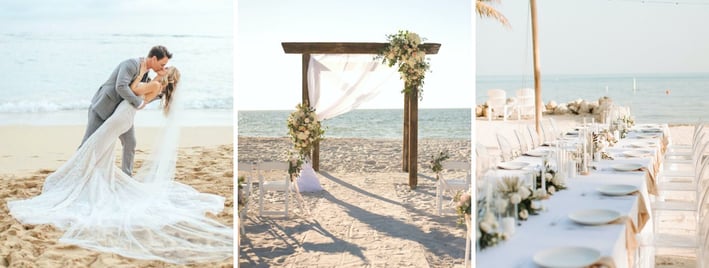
514,190
552,181
463,207
437,162
601,141
487,225
624,124
304,129
405,50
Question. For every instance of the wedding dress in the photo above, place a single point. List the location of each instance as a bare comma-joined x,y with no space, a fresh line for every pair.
150,216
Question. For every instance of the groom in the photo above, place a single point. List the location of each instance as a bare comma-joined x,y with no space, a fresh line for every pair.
116,89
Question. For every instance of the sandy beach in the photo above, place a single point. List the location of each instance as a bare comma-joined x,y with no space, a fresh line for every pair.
680,134
29,153
365,217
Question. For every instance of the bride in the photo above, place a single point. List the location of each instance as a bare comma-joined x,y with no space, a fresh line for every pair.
150,216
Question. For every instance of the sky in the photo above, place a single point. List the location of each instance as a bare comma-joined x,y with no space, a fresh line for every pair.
268,79
213,17
596,37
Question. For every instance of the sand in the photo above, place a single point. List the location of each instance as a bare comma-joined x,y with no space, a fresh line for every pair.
677,223
366,217
29,153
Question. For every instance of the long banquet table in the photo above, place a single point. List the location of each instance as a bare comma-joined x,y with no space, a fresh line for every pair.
619,242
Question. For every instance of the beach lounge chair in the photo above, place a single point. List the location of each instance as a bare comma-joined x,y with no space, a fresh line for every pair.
524,103
452,185
280,185
497,104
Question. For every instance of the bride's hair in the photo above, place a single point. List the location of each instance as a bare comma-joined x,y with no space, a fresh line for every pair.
173,78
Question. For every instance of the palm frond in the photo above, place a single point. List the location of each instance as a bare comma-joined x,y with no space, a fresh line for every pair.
484,10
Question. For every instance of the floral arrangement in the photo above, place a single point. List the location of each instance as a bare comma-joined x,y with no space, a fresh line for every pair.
552,183
463,206
487,225
295,164
514,190
601,141
304,129
624,124
242,197
437,162
404,49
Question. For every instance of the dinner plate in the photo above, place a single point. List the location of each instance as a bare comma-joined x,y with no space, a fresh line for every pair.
627,167
647,136
594,216
635,153
651,130
567,257
512,165
642,144
536,153
617,189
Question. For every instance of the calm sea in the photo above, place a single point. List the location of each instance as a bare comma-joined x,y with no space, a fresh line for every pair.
365,123
687,101
50,78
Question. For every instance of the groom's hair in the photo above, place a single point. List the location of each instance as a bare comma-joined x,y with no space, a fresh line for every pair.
160,52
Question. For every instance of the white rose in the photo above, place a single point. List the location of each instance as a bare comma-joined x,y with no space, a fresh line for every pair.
540,193
524,192
548,176
515,198
552,190
523,214
485,226
302,136
535,205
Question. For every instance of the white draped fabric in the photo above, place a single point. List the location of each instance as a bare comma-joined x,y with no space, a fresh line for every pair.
339,83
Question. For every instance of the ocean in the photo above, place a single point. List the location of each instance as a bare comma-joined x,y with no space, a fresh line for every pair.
655,98
364,123
50,78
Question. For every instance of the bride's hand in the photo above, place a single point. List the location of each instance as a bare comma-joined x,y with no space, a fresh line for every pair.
143,68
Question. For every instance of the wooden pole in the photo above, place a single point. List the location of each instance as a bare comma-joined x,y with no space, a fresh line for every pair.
537,73
315,156
413,139
405,149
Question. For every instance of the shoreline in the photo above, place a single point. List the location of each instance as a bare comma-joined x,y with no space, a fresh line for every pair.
27,149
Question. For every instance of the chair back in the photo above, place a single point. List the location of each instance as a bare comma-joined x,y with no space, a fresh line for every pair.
523,147
506,151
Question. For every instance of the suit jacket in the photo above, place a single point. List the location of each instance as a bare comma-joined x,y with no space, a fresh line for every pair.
117,89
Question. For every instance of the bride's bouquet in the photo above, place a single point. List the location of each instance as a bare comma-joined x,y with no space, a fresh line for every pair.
304,129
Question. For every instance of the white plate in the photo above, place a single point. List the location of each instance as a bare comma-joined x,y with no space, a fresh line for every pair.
642,144
635,153
594,216
651,130
647,136
627,166
536,153
567,257
617,189
512,165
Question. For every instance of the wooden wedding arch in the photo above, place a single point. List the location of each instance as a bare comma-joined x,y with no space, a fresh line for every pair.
410,140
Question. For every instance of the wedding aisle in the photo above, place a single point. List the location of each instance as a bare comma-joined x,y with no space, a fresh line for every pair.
361,219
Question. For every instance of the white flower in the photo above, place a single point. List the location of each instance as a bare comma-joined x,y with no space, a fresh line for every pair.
540,193
552,190
524,192
515,198
486,226
535,205
523,214
548,176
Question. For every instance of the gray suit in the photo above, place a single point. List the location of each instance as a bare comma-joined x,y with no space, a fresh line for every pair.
107,98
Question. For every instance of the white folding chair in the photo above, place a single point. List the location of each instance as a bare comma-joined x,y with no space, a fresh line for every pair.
497,104
452,185
280,185
247,170
524,106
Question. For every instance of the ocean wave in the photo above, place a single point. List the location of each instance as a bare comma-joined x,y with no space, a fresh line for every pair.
43,106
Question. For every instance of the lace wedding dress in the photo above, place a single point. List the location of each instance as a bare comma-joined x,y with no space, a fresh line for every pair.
150,216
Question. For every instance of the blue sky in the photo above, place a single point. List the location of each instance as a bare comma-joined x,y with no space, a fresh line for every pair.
213,17
268,79
597,37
